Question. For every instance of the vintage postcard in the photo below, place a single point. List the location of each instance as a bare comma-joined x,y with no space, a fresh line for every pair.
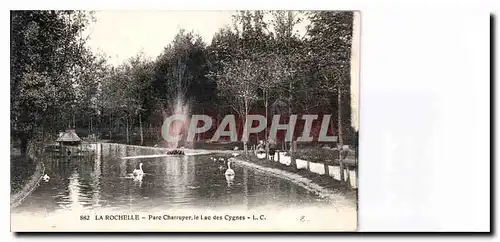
184,120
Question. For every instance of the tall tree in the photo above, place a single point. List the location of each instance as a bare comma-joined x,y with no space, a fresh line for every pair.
237,82
139,77
46,48
330,35
175,68
289,47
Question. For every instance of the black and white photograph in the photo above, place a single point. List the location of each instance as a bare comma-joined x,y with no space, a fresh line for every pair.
135,120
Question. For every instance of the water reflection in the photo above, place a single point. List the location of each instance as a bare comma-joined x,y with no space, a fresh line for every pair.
105,181
74,192
95,177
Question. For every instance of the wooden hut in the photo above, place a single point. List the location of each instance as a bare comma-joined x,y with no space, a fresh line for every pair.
69,138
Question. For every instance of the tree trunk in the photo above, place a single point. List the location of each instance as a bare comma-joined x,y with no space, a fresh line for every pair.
126,129
90,131
110,126
24,143
118,127
265,135
290,107
348,177
245,148
326,167
339,118
43,133
140,129
340,139
158,133
293,163
51,128
332,159
101,127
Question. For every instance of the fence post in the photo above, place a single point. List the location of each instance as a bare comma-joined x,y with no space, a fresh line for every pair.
278,152
342,174
293,161
348,177
341,163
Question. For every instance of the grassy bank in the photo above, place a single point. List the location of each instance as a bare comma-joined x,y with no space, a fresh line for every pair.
21,170
324,155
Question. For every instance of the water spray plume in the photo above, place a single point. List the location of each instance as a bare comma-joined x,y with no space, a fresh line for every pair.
179,107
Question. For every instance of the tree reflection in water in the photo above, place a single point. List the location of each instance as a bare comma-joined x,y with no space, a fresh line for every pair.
175,182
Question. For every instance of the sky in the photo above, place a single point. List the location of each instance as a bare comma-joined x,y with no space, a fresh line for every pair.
123,34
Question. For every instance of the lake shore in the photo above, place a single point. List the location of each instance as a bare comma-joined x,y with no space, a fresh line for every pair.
29,183
325,188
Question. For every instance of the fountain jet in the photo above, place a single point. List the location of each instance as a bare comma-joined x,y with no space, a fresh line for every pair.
179,107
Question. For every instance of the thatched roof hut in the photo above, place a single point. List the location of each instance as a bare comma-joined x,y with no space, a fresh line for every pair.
69,137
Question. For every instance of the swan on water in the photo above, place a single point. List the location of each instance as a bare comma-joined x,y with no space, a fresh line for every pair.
46,177
138,172
229,172
138,180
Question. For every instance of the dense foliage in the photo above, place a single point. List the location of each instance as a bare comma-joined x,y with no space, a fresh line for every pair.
256,65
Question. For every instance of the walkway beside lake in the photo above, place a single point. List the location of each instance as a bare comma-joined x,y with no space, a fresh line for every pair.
324,188
334,171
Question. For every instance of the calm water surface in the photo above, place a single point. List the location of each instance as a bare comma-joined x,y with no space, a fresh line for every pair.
104,181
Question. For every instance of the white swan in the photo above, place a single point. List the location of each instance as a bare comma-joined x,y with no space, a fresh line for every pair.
137,179
261,153
229,172
138,172
46,178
